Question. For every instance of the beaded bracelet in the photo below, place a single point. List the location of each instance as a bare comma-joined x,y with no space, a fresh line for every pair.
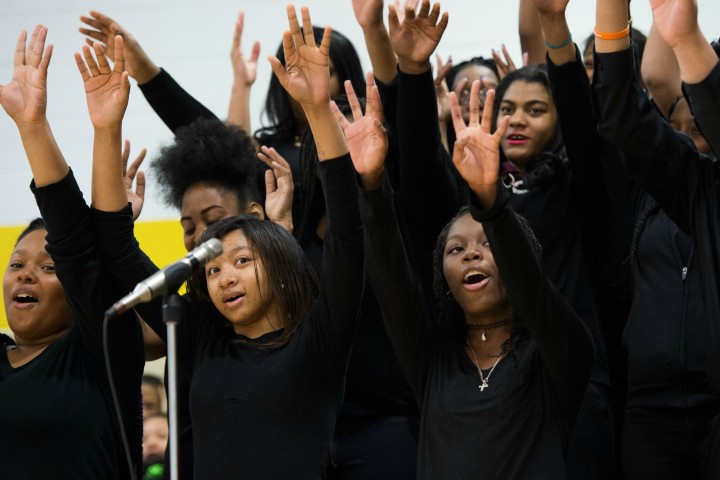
555,47
613,35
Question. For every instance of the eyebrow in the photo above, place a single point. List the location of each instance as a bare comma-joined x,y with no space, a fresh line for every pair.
202,212
531,102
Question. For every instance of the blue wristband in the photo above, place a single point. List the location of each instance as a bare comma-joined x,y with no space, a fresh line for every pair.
555,47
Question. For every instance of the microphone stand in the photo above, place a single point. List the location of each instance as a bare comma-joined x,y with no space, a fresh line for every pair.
172,312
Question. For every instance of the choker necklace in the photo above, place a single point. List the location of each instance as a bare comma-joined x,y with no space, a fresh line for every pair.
483,379
489,326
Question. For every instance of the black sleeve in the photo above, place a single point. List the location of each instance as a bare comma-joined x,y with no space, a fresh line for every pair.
573,100
427,196
342,269
666,163
176,107
90,290
704,101
563,340
394,283
72,246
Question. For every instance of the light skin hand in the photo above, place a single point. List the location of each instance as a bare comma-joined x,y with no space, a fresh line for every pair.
477,151
306,74
441,88
107,89
279,188
675,20
505,64
366,136
416,38
245,70
368,13
25,97
401,8
103,30
135,197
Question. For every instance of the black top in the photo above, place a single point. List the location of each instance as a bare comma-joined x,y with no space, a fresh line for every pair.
58,418
518,427
375,385
265,413
685,183
704,102
666,327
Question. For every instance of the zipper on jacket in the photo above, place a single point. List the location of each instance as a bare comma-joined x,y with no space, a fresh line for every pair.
684,273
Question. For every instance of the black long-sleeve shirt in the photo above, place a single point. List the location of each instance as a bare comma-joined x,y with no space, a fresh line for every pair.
58,417
517,428
248,404
684,182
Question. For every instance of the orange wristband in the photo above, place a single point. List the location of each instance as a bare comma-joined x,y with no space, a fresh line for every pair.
613,35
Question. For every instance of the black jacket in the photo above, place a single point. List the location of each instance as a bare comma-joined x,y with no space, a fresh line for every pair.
684,182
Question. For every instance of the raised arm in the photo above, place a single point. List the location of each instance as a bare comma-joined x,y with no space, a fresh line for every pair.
175,106
666,163
427,193
107,90
244,74
399,295
676,22
102,29
531,33
306,78
377,41
25,101
660,71
564,343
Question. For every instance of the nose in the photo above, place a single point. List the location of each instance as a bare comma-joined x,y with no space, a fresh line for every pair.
471,254
227,277
517,118
26,275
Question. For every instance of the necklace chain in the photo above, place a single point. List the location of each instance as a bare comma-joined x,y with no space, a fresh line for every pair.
483,379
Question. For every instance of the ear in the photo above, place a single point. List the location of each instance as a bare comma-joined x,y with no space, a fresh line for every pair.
256,209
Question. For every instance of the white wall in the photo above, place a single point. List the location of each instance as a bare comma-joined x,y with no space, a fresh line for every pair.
191,39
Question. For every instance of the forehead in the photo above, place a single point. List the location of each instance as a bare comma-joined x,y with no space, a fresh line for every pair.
474,72
32,244
466,227
234,241
521,91
201,195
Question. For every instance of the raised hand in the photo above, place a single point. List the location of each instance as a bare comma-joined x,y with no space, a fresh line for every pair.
279,188
306,74
106,89
135,197
416,38
366,136
476,154
675,20
401,8
441,88
506,64
368,12
245,70
104,30
25,97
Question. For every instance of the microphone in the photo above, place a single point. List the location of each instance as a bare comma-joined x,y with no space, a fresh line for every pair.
169,278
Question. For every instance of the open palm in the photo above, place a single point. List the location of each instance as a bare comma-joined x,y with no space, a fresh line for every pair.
106,89
306,74
477,151
365,135
417,37
25,97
